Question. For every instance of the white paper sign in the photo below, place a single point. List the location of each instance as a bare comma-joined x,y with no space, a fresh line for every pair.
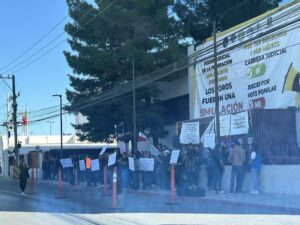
112,159
209,141
239,123
131,164
225,125
174,156
81,165
66,163
103,149
146,164
154,151
190,133
95,166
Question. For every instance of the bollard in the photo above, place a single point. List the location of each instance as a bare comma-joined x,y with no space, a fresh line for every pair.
114,195
172,197
60,191
114,192
172,194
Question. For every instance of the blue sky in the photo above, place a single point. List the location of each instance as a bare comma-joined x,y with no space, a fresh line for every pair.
22,24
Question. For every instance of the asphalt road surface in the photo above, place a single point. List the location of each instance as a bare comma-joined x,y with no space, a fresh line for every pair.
90,207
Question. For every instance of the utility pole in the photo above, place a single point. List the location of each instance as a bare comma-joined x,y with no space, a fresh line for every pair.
61,125
15,107
50,124
134,107
217,113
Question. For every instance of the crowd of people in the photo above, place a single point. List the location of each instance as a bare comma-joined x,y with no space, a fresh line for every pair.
193,159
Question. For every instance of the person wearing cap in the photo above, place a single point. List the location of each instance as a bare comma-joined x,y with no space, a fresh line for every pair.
236,158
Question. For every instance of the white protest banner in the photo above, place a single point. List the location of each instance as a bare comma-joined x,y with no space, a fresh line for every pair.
209,141
174,156
190,133
146,164
143,146
131,164
239,123
103,149
81,165
225,125
154,151
95,165
112,159
66,163
261,73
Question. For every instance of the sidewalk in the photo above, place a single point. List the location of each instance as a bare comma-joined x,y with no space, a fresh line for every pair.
283,202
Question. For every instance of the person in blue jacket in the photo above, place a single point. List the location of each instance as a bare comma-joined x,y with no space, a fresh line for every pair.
256,161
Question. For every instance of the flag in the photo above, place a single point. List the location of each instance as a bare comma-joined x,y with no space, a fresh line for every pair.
142,137
24,118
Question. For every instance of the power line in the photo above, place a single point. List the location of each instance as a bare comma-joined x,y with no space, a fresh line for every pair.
14,69
35,44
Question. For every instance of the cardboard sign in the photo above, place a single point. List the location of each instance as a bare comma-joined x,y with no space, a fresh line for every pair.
154,151
190,133
131,163
146,164
103,150
112,159
66,163
95,165
174,156
81,165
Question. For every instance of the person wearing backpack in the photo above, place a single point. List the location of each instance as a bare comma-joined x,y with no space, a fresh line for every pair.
256,160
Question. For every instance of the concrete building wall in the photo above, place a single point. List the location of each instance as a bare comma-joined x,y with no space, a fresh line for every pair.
168,140
281,179
174,88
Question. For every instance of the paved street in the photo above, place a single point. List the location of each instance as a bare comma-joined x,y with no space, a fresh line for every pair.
90,207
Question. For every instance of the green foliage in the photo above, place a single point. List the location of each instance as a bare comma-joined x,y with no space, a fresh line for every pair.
196,15
103,50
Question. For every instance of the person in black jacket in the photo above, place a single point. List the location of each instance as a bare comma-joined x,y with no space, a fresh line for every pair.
24,175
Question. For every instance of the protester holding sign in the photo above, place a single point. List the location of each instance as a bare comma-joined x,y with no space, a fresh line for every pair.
147,175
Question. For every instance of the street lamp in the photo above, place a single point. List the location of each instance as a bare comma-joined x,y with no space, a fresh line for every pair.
61,125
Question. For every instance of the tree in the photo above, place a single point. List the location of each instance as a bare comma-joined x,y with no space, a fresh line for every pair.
197,15
104,45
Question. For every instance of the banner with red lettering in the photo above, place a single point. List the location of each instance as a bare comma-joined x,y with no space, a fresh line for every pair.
258,66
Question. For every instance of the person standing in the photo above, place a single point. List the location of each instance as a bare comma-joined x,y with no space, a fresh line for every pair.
124,167
236,158
256,159
88,171
24,175
219,169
